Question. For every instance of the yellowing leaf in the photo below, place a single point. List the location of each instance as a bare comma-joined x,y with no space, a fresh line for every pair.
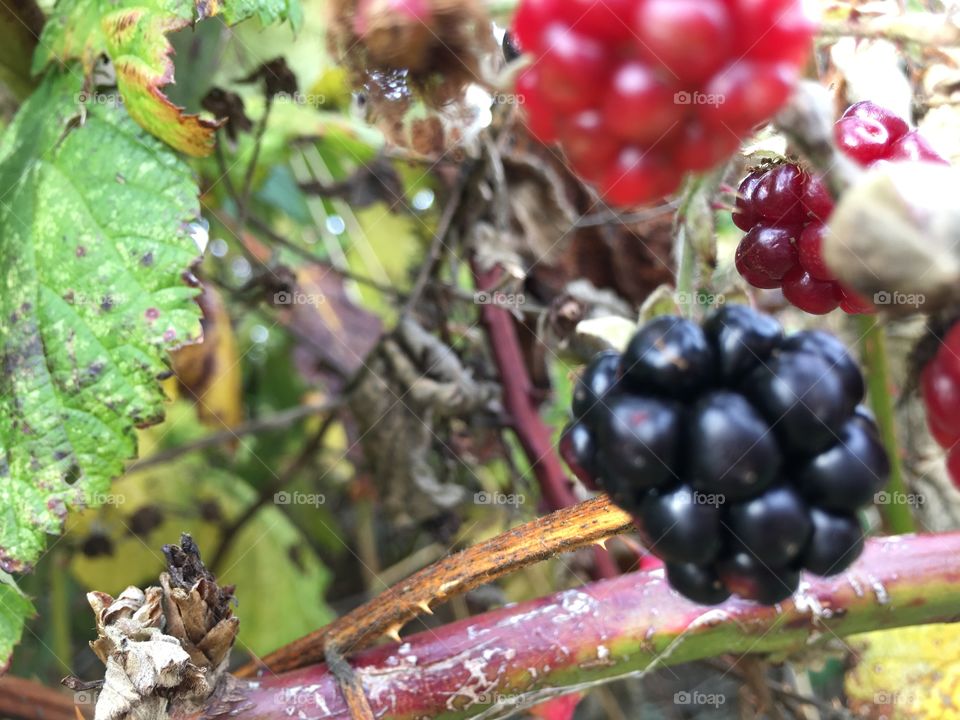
906,674
132,33
209,372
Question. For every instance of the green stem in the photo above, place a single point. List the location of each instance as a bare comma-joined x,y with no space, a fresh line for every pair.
695,230
502,7
686,252
896,515
686,270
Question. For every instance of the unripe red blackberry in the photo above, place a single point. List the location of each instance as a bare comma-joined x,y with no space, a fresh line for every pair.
940,387
783,209
671,84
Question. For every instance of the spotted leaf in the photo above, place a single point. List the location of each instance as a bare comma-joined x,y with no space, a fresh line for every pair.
94,245
133,34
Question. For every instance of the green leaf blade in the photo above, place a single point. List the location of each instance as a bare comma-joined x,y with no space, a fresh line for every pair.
94,245
15,608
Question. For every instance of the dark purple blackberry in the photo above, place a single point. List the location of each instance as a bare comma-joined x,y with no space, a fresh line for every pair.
510,47
802,399
682,525
638,439
742,338
700,584
742,454
837,541
730,448
669,357
597,380
849,474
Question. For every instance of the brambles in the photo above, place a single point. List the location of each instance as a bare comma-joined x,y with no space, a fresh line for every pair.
783,210
637,93
940,386
741,454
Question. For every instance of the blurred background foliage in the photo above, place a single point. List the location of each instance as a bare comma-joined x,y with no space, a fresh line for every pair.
258,458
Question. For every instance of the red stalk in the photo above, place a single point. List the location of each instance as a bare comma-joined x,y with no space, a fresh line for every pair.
523,654
520,403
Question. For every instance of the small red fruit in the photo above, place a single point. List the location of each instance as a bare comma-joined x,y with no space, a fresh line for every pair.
811,257
809,294
940,388
785,195
686,79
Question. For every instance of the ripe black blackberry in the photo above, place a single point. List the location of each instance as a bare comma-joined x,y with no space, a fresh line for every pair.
742,454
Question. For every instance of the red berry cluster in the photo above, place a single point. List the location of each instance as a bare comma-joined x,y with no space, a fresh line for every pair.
784,210
940,384
640,91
